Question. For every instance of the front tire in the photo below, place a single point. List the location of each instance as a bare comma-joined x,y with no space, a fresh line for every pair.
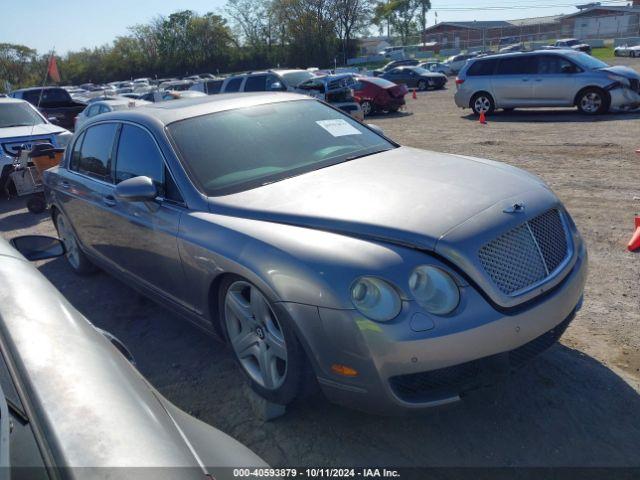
76,258
263,342
367,108
593,101
422,85
482,102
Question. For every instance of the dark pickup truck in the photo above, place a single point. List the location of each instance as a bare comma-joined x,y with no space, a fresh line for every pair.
56,104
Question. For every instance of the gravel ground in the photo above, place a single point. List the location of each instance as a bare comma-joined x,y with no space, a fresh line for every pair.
577,405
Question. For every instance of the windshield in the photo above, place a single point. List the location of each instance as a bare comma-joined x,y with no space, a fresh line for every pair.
589,62
293,79
235,150
18,115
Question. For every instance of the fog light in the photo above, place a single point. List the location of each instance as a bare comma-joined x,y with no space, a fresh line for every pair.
344,370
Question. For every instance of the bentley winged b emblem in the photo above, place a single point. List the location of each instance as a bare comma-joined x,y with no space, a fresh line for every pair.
515,208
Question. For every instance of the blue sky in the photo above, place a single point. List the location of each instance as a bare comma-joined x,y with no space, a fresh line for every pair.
73,24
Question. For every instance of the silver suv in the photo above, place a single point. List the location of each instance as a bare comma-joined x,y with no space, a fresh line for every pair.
560,78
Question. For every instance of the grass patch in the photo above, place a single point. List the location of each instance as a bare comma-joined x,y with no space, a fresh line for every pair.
604,53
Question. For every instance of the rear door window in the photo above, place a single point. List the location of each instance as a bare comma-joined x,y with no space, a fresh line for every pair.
214,86
520,65
74,161
93,110
256,83
482,67
96,152
233,85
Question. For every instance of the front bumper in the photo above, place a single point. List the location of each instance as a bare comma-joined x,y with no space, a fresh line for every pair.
624,99
419,361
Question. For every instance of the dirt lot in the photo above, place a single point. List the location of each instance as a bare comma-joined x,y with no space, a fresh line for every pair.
579,404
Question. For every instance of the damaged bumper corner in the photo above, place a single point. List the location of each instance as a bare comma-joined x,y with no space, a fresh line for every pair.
624,99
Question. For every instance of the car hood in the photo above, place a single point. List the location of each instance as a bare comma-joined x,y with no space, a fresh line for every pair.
29,131
405,196
626,72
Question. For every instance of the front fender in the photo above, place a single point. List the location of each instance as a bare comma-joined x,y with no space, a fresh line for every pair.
288,263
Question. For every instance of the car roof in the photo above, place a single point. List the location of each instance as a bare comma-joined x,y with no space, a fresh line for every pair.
12,100
120,101
28,89
532,52
175,110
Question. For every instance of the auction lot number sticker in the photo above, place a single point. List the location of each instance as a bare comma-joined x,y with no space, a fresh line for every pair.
338,127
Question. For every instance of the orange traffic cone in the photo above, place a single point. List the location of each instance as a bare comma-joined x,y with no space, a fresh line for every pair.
414,94
634,244
483,118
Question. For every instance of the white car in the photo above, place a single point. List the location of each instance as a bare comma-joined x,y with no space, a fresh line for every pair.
627,51
21,125
105,106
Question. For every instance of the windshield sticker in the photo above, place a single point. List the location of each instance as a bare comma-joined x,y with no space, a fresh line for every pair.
338,127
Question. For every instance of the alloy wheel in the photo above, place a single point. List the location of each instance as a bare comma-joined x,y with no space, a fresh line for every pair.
422,85
69,241
591,102
482,104
366,108
255,334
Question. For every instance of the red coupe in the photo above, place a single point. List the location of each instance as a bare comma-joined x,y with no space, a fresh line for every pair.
379,95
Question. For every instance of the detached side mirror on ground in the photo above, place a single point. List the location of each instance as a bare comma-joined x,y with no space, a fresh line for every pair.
137,189
38,247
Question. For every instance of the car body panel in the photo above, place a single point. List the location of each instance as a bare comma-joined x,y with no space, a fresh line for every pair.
68,372
389,98
412,77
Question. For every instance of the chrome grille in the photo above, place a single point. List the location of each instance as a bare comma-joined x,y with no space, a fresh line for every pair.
527,254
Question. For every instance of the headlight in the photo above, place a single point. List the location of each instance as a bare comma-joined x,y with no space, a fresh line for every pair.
63,139
434,290
375,299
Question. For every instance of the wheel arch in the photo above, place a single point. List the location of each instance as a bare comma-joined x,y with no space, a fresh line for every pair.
607,95
480,92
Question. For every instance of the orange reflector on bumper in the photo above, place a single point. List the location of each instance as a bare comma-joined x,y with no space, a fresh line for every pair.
344,370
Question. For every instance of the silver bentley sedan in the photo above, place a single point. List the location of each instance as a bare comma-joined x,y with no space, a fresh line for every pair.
319,249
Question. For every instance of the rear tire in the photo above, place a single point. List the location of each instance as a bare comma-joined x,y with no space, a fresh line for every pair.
482,102
36,204
593,101
422,85
76,258
260,336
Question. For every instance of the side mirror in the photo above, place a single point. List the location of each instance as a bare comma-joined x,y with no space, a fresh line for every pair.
38,247
277,87
376,128
136,189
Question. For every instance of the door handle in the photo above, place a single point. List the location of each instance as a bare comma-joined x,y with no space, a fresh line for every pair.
538,79
109,200
525,79
65,184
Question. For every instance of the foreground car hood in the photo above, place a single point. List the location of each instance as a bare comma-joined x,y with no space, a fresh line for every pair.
406,196
42,129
